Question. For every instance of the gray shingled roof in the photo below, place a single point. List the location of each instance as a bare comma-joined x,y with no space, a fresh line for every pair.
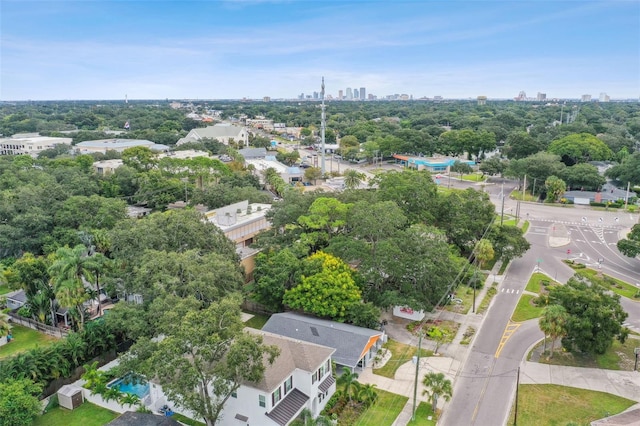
348,340
293,354
18,296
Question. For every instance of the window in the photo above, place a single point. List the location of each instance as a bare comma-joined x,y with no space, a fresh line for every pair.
288,384
262,401
275,396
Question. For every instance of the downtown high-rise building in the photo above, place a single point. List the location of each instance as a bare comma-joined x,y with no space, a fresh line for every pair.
363,93
356,94
349,94
340,95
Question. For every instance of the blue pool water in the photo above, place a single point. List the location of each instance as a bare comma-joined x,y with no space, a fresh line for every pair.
131,386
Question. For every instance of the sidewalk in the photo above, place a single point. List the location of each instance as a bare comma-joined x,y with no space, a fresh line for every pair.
451,359
622,383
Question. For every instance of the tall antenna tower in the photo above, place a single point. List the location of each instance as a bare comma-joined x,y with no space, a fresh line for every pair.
323,126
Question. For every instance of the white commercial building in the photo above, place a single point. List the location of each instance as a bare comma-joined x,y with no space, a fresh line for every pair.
30,144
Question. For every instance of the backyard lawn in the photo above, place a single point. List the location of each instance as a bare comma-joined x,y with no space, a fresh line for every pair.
560,405
4,289
400,354
24,339
257,321
384,411
85,415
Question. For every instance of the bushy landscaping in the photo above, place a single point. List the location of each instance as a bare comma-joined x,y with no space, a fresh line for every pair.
620,356
543,405
491,292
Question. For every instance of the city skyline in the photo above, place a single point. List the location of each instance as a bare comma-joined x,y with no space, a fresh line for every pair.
56,50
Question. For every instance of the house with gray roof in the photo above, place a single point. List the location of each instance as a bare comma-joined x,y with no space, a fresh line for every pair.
222,132
16,299
356,347
299,378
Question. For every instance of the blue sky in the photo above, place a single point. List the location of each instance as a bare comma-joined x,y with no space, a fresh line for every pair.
158,49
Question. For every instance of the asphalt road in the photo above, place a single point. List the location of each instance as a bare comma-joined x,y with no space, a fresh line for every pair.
485,386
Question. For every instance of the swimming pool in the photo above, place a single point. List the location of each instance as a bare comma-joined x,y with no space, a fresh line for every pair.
130,385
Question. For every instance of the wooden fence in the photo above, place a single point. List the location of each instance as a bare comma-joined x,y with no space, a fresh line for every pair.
35,325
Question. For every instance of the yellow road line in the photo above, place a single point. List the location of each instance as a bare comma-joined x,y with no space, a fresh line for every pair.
508,332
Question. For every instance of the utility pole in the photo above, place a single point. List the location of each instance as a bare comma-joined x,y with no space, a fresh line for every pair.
415,383
515,411
626,197
502,209
323,126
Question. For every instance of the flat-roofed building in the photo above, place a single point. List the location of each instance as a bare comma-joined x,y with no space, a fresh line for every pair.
30,144
119,145
241,222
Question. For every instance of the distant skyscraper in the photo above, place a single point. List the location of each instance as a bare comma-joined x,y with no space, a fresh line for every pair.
586,98
522,96
604,97
315,95
363,93
356,94
482,100
541,96
340,95
349,94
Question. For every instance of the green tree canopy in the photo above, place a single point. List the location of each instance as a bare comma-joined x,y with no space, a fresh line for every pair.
595,316
203,357
580,148
630,246
329,293
19,403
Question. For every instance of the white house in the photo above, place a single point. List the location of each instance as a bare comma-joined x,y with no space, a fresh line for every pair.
299,378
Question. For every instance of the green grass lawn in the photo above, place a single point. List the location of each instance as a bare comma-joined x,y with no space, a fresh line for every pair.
257,321
526,310
618,357
535,282
422,412
24,339
384,411
464,293
186,420
473,177
85,415
400,354
491,292
525,227
4,289
551,405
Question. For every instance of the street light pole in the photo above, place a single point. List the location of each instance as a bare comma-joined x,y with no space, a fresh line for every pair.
415,383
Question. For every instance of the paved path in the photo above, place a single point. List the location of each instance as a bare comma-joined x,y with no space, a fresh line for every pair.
622,383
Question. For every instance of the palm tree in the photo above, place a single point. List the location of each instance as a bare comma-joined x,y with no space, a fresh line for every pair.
5,327
129,399
552,323
353,178
349,380
69,271
437,386
367,394
306,419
